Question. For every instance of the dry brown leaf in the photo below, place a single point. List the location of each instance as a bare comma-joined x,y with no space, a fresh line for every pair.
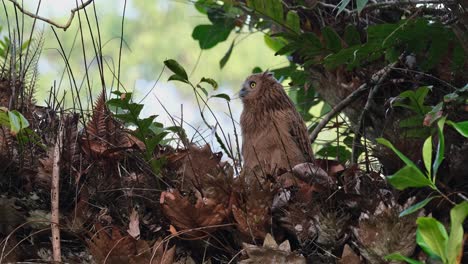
349,256
185,215
251,205
270,252
134,225
111,246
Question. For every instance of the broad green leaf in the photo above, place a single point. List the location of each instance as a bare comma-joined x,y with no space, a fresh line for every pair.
411,122
420,241
342,5
289,48
127,118
227,55
351,36
274,9
209,81
176,77
461,127
416,207
4,120
398,256
440,148
409,176
332,40
392,54
439,46
274,43
17,121
389,145
202,6
293,22
209,36
434,235
361,4
455,240
427,154
176,68
224,96
459,57
340,152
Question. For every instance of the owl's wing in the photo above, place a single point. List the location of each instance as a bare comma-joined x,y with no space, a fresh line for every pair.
298,132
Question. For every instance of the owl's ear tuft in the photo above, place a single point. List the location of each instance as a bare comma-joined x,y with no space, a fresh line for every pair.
268,74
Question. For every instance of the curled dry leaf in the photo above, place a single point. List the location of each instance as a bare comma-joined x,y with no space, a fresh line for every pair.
271,252
208,184
383,232
185,215
349,256
251,204
134,225
109,245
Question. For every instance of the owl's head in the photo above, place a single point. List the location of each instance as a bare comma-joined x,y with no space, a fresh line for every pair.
257,85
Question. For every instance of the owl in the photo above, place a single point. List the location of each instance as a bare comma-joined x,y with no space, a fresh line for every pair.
273,132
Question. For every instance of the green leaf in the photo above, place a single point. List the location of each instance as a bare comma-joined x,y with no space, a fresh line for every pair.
351,36
420,241
409,176
398,256
332,40
224,96
434,235
226,56
176,68
274,43
341,152
427,154
455,240
293,22
176,77
461,127
209,81
17,121
459,58
389,145
209,36
440,148
4,120
342,5
392,54
287,49
361,4
416,207
126,118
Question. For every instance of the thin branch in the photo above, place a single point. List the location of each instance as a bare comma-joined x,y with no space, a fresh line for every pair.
54,194
337,108
403,2
64,26
377,78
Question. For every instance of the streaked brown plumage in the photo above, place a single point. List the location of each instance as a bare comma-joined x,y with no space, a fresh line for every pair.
274,134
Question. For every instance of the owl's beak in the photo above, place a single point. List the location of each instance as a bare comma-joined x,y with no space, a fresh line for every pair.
243,92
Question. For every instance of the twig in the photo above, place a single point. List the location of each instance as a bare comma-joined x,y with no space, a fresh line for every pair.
54,194
64,26
337,108
402,3
377,79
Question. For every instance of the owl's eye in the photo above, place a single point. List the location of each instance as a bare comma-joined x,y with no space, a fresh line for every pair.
253,84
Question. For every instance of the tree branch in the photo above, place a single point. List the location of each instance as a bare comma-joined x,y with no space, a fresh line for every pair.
377,78
64,26
337,108
54,198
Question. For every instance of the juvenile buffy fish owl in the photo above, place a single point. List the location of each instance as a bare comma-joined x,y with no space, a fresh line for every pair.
274,134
